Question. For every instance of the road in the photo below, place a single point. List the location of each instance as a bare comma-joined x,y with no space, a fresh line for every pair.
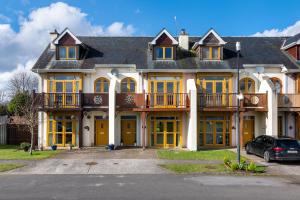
159,186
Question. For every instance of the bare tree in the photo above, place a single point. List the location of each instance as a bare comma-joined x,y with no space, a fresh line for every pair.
2,97
29,111
22,82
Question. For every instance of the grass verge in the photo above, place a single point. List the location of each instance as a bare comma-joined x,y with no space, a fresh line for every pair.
11,152
196,168
196,155
9,166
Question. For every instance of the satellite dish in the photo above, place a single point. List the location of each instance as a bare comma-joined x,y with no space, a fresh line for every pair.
259,70
114,72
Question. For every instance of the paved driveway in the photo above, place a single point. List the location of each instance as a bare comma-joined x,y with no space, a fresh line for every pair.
97,161
276,168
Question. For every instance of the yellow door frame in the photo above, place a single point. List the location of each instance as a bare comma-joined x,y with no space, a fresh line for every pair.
132,122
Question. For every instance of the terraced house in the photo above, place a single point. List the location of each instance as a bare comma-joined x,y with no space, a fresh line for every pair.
167,91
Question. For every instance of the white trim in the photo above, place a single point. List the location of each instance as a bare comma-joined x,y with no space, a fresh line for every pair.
77,41
221,41
175,42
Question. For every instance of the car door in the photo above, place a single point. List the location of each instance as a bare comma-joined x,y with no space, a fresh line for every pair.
257,144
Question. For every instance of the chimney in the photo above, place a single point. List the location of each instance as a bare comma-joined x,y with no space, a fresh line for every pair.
183,40
53,36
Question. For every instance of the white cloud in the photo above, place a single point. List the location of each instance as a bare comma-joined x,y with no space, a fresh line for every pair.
19,50
4,18
288,31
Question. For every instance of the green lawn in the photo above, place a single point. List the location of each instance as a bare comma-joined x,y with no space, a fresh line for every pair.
196,168
196,155
10,166
11,152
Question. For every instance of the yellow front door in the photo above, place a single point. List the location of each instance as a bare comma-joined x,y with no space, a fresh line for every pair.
279,125
101,132
128,128
248,130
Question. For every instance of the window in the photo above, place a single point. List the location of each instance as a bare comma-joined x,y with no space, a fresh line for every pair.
210,53
277,84
101,85
67,53
128,85
62,130
164,53
247,85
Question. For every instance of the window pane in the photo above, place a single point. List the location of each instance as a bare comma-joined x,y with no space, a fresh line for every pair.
69,127
159,52
215,53
98,86
105,86
132,86
69,87
62,52
124,86
59,87
168,52
242,85
205,53
72,53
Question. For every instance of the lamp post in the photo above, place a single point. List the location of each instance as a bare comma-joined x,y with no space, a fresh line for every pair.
238,49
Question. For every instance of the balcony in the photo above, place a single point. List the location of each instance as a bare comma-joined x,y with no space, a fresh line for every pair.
288,102
255,102
228,102
59,101
130,101
211,102
167,101
93,101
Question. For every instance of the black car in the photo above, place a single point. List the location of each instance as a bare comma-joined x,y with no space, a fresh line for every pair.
274,148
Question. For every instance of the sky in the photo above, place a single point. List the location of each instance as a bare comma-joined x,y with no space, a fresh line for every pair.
25,24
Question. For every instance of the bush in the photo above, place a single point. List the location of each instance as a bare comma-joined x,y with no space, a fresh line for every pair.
252,167
226,161
234,166
25,146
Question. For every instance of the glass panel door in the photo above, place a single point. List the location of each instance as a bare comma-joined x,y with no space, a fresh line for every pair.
218,93
219,133
170,96
160,89
209,135
209,93
159,136
69,93
59,90
170,133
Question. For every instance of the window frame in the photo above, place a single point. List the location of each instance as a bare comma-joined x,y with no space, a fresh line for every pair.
247,80
101,79
127,80
164,52
210,51
67,48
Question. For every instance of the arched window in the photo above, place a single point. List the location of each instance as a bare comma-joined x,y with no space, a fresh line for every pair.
128,85
247,85
101,85
277,83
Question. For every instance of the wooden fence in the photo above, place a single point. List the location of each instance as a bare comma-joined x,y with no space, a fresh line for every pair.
3,123
18,133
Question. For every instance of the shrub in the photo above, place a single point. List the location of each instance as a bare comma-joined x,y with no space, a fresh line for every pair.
234,166
25,146
252,167
227,161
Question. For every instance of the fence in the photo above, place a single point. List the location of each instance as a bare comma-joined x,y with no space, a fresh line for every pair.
3,121
18,133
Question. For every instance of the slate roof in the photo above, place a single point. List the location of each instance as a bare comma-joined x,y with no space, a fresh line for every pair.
134,50
291,40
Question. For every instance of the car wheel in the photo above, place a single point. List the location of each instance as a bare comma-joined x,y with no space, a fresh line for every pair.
267,156
247,149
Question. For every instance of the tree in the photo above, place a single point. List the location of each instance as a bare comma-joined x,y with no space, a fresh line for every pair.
29,111
22,82
16,103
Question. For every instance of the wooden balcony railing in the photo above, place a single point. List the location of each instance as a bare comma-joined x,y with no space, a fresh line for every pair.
255,101
60,100
95,99
224,100
130,100
167,100
289,100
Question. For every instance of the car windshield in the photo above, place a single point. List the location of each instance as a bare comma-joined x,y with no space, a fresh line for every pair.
287,143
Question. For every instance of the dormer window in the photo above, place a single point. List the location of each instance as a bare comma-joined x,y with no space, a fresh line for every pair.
67,52
211,53
163,53
164,46
210,46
